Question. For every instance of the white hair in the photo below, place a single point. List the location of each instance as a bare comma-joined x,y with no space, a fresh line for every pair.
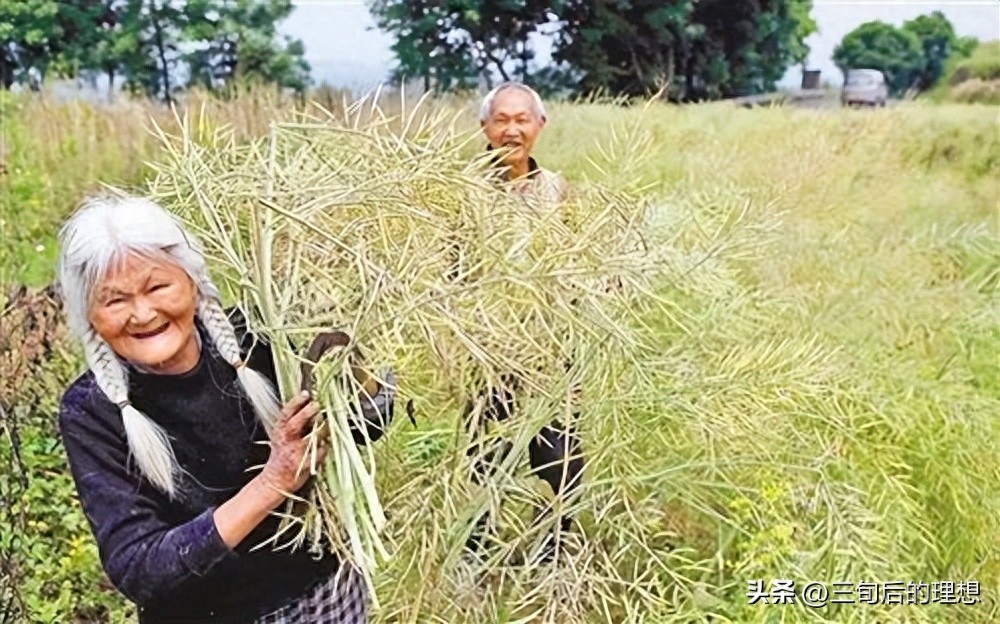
487,106
98,237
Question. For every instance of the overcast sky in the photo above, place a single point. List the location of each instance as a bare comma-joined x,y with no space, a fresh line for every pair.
346,50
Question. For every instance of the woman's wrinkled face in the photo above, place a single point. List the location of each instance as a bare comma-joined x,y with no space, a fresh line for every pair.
144,309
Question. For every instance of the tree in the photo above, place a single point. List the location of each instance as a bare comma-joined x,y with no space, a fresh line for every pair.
693,48
496,33
704,49
419,44
238,42
102,47
60,36
84,33
160,46
151,39
938,40
747,45
627,47
876,45
29,37
452,43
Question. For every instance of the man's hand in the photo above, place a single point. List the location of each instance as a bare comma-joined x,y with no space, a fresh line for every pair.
376,401
324,342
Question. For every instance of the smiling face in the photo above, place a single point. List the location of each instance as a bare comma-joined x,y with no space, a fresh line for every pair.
144,309
513,122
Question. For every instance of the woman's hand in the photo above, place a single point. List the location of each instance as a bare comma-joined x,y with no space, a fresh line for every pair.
287,468
285,472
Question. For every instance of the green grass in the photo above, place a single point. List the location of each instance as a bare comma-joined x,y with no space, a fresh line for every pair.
822,406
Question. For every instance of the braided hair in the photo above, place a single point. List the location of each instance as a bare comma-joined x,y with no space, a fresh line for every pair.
96,239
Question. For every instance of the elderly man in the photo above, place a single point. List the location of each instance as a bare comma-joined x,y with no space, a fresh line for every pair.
512,116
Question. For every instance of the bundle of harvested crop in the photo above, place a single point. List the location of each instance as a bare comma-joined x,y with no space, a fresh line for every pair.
388,230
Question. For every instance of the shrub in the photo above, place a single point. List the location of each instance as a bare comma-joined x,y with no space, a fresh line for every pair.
983,63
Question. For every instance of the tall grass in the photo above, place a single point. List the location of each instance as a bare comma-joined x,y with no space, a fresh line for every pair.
822,405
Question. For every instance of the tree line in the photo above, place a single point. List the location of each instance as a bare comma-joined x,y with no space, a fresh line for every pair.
155,47
686,49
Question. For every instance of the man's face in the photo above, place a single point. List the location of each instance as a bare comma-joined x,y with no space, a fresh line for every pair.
514,124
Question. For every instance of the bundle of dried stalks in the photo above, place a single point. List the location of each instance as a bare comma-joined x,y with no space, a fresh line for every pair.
386,228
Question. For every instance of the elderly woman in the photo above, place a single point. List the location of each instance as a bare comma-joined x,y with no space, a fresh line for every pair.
178,446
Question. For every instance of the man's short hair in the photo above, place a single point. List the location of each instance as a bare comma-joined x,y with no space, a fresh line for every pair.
484,110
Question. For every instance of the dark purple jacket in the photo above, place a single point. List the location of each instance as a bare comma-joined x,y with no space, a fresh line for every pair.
167,556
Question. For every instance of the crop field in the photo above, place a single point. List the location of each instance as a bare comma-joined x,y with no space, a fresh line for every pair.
820,403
